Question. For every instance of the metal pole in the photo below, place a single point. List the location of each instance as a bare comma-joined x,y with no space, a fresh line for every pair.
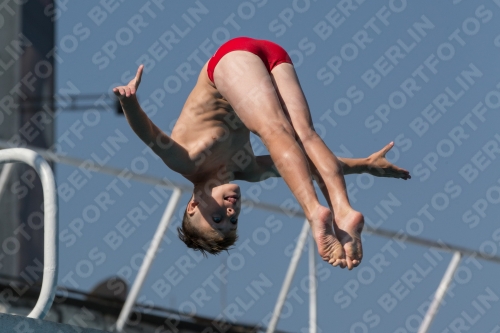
313,287
288,278
405,238
4,176
439,295
148,260
50,234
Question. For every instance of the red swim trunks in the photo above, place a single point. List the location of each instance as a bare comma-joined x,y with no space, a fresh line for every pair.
271,53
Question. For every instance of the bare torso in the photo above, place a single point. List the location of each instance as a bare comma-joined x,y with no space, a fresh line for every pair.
211,132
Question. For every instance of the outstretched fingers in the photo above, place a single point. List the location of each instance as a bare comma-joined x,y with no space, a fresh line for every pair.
386,149
404,174
138,77
396,172
381,167
123,92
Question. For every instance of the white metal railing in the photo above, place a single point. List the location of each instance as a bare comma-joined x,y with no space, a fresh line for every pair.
148,260
178,189
4,177
313,287
439,295
50,236
292,268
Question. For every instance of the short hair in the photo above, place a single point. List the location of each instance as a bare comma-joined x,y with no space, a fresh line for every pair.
211,242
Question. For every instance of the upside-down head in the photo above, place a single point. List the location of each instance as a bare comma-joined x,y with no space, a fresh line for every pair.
211,219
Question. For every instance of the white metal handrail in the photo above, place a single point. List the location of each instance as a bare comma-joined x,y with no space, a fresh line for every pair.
50,236
148,260
439,295
313,287
288,277
4,177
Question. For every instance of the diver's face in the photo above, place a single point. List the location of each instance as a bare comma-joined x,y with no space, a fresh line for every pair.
219,209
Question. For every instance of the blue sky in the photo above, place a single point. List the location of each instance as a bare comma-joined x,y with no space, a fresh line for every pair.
423,74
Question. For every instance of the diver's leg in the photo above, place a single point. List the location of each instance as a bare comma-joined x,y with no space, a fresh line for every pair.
256,103
348,222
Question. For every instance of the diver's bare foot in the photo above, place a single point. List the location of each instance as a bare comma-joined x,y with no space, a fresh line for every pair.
329,247
348,227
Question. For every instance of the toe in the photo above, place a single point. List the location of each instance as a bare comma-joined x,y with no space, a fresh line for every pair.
349,263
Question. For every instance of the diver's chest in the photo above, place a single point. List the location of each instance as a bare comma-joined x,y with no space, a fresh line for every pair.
230,149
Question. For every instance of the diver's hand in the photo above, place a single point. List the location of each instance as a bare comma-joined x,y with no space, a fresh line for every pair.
379,166
127,93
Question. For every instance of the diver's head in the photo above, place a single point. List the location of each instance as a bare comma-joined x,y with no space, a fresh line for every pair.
211,219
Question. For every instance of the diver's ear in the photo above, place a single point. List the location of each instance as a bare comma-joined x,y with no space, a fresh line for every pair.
191,207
